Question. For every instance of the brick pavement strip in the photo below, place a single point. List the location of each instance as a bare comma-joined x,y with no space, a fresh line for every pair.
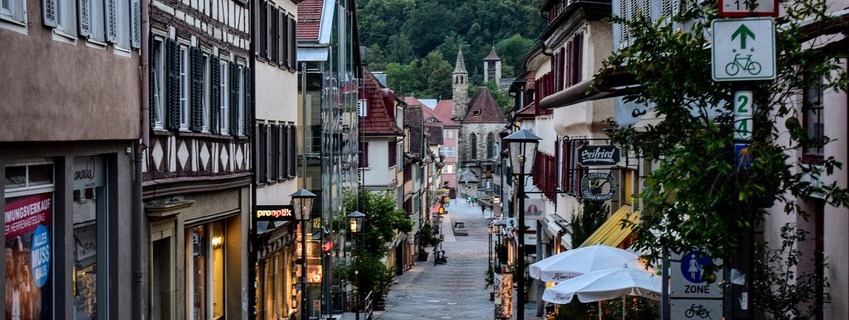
449,291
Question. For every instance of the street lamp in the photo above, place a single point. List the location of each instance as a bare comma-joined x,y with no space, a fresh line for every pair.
523,149
302,203
355,224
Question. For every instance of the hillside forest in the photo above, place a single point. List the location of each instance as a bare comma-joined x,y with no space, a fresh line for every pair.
415,42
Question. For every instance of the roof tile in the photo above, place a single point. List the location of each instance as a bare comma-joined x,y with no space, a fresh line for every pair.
309,19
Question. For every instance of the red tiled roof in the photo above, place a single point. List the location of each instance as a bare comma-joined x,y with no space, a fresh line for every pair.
444,111
483,108
309,19
378,122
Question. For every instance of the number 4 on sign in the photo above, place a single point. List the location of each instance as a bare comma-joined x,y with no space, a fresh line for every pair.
743,116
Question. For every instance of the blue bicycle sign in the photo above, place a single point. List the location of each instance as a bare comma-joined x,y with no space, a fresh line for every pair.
744,64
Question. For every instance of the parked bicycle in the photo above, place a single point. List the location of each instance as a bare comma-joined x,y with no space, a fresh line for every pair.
742,63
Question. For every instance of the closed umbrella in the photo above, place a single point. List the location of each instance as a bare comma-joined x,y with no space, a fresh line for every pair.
575,262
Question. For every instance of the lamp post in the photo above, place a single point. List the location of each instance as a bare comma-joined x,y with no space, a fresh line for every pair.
302,203
355,224
523,149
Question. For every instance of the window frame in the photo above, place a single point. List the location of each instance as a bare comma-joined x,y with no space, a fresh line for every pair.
15,13
185,85
224,84
206,62
813,108
160,81
123,25
66,18
240,130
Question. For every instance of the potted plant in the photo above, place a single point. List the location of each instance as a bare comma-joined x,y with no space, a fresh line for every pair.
489,281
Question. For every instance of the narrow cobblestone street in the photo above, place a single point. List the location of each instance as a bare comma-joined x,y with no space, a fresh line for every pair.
455,290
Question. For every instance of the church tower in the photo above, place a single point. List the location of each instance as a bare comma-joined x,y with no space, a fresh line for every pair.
492,68
460,85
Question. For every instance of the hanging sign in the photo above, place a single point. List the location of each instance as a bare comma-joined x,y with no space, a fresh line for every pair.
275,213
598,155
598,186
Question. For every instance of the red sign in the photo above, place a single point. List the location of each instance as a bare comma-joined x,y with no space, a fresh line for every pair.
24,214
741,9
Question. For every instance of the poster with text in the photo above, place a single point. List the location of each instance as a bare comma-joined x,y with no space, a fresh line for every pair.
28,256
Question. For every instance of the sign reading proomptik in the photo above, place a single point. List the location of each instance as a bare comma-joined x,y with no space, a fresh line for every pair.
275,213
598,155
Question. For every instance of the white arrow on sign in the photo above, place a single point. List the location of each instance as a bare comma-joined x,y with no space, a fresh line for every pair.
743,49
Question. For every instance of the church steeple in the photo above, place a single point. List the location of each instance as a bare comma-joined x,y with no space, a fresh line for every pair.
460,85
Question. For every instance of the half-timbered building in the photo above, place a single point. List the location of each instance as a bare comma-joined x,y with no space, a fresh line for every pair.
197,170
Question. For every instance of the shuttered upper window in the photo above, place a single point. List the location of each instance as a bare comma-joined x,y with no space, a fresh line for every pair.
157,83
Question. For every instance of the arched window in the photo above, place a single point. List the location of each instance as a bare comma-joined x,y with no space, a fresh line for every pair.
473,142
490,146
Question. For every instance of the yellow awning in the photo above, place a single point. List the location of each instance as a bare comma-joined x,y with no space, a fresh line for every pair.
611,232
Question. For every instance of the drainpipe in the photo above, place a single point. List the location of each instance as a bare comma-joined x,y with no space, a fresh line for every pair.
139,259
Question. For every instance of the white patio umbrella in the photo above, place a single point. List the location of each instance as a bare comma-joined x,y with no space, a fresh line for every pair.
575,262
604,285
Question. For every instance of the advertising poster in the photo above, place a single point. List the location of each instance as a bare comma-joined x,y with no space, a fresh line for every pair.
28,254
504,296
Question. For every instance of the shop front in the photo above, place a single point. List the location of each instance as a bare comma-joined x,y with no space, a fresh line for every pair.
62,215
277,294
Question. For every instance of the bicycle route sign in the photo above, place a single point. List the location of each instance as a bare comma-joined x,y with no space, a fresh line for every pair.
743,49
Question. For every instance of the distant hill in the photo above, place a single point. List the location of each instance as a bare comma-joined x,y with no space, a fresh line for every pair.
416,41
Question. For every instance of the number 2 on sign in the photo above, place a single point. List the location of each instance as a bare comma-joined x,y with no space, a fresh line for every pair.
743,115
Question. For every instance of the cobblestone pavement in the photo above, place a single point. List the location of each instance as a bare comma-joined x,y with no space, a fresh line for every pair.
448,291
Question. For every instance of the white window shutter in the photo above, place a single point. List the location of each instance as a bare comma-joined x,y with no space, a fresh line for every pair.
135,24
48,13
112,21
84,17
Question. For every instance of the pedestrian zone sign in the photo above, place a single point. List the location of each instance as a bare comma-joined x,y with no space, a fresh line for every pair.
743,49
689,280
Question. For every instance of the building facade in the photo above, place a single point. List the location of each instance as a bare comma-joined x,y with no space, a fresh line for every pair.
198,168
68,150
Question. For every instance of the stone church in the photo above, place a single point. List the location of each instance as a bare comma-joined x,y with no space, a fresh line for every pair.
481,120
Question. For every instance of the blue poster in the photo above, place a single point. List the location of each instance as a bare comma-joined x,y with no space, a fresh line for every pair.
40,255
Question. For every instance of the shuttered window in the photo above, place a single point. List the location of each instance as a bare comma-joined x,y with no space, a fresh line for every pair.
293,167
206,91
61,14
185,88
273,48
261,151
363,155
281,35
292,42
393,154
262,26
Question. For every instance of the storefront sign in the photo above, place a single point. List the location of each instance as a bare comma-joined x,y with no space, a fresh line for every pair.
88,172
275,213
40,255
603,155
27,213
598,186
504,296
314,273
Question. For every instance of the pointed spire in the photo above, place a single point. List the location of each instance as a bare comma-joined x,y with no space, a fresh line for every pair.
460,66
492,56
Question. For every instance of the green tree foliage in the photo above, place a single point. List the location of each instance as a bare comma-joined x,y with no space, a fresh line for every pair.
382,222
696,197
405,31
383,219
437,73
583,225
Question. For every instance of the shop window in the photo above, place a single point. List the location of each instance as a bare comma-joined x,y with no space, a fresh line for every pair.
90,230
205,250
29,245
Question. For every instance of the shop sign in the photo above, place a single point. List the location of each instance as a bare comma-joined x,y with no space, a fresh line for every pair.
598,186
598,155
88,172
314,273
275,213
504,296
25,214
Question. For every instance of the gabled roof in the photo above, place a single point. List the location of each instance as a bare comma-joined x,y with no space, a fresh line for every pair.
443,112
378,122
309,19
483,108
492,56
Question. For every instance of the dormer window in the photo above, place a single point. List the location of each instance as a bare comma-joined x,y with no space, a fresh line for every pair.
477,112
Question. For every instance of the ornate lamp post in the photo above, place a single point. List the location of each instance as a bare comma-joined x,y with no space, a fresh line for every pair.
355,224
523,149
302,203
